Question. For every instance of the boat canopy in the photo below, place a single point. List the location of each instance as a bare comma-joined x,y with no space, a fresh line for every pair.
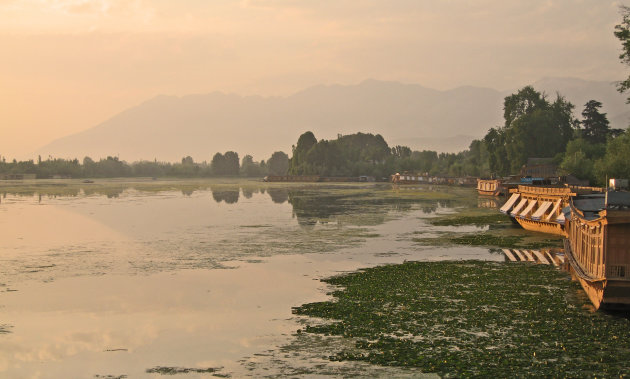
560,219
541,211
518,208
552,215
528,209
510,203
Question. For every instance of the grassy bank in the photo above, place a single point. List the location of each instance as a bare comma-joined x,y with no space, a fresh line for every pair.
472,319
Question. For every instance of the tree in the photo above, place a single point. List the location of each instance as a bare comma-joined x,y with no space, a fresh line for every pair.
298,163
614,164
596,126
250,168
525,101
533,128
278,163
218,164
622,32
231,163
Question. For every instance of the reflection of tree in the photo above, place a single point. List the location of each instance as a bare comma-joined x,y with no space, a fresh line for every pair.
429,208
278,195
248,192
230,196
109,192
309,208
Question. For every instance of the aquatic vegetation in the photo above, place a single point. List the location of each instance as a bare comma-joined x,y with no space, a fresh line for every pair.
490,239
493,218
471,318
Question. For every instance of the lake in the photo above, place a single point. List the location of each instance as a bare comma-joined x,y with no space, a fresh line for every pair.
143,278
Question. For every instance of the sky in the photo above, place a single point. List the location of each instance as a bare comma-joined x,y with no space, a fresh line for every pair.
67,65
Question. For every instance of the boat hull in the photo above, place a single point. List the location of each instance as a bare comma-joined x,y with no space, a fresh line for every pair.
605,294
541,226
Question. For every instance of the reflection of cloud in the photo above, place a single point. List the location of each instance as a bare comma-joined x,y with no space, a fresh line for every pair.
74,342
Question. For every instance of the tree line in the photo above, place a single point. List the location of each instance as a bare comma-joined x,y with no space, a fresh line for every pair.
226,164
533,126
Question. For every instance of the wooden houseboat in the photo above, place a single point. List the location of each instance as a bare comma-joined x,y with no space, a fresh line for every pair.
598,247
539,207
490,187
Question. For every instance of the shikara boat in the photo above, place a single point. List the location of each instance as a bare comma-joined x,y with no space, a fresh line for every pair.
598,247
539,207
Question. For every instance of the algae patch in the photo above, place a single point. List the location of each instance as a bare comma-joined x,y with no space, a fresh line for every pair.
475,219
471,318
492,240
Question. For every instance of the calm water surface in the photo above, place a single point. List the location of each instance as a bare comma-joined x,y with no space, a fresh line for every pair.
133,279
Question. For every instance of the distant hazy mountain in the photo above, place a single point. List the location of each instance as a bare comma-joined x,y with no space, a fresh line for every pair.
169,127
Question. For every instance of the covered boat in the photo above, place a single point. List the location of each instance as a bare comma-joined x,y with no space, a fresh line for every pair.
539,207
490,187
598,247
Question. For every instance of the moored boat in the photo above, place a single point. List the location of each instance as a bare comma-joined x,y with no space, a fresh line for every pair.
490,187
539,207
598,247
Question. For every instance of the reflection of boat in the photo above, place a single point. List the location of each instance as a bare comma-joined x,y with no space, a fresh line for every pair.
539,208
545,256
487,202
598,247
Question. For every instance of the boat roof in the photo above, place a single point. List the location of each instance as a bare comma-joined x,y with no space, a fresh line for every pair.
591,204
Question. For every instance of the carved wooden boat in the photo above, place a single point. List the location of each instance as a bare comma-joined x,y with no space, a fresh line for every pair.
539,208
490,187
598,247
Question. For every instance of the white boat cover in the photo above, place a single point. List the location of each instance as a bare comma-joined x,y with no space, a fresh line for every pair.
552,215
560,219
518,208
541,211
510,203
530,206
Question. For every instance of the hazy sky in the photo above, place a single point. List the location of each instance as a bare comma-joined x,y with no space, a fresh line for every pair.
66,65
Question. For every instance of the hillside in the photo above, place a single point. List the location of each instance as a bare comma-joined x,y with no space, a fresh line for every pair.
170,127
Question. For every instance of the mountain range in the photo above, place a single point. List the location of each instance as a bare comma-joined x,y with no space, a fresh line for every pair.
168,128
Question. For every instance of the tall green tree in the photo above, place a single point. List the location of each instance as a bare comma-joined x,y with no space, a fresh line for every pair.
278,163
218,164
596,125
298,164
622,32
614,164
533,127
231,163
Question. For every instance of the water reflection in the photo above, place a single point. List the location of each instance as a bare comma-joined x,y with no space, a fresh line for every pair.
488,202
230,196
278,195
81,267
